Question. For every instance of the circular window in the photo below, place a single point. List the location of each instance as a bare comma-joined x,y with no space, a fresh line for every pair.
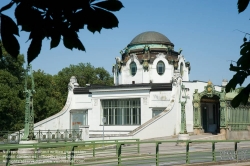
133,68
160,67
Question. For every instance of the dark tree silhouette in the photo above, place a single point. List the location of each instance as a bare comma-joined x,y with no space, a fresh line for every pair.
53,20
242,67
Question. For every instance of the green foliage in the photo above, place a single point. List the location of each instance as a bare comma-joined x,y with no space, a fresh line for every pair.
47,97
51,91
242,67
12,101
46,19
85,74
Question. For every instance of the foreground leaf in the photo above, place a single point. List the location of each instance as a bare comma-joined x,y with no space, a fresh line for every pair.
55,40
34,49
111,5
6,7
242,5
10,44
8,25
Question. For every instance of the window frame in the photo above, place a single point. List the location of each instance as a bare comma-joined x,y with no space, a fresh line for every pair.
157,111
121,112
158,67
132,66
84,117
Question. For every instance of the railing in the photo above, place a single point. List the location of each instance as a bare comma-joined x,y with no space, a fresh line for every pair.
127,152
14,137
238,118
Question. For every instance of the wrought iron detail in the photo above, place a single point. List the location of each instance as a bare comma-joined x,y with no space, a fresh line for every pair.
29,111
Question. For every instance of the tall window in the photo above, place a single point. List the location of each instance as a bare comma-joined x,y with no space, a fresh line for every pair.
122,112
160,67
133,68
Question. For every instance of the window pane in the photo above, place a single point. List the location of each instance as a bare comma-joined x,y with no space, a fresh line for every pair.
118,116
79,118
156,112
122,112
160,67
134,116
105,114
110,117
133,68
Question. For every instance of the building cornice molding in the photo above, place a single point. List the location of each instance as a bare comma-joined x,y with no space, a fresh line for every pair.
119,89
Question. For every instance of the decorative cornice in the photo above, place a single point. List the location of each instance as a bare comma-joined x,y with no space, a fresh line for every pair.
161,55
120,89
133,57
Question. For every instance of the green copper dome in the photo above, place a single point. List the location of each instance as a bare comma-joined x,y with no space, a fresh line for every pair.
150,37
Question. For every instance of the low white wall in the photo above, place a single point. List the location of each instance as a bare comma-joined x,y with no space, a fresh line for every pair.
61,120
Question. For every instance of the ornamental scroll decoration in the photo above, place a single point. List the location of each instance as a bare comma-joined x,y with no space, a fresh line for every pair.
209,91
196,105
146,58
118,64
222,108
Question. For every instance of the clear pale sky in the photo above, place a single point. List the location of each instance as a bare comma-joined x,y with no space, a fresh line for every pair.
205,30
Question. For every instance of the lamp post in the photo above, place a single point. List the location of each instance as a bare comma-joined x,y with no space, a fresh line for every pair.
183,135
183,111
29,112
183,119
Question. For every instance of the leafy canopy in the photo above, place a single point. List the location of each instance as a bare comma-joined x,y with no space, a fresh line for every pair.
51,90
12,101
242,67
85,74
53,20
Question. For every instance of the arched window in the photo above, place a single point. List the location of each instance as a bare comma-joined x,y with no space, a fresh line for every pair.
160,67
133,68
181,69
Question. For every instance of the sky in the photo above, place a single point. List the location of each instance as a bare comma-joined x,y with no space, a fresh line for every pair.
206,31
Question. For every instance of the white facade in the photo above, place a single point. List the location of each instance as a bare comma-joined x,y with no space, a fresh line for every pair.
145,101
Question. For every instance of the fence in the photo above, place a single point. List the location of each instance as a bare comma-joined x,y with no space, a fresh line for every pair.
14,137
238,118
127,152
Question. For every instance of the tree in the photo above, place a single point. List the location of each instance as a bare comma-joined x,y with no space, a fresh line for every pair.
47,99
242,67
12,101
51,91
85,74
53,19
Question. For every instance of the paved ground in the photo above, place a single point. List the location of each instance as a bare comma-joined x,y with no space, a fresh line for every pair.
204,136
219,164
175,150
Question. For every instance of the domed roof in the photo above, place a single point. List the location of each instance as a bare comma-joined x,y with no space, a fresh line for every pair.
150,37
